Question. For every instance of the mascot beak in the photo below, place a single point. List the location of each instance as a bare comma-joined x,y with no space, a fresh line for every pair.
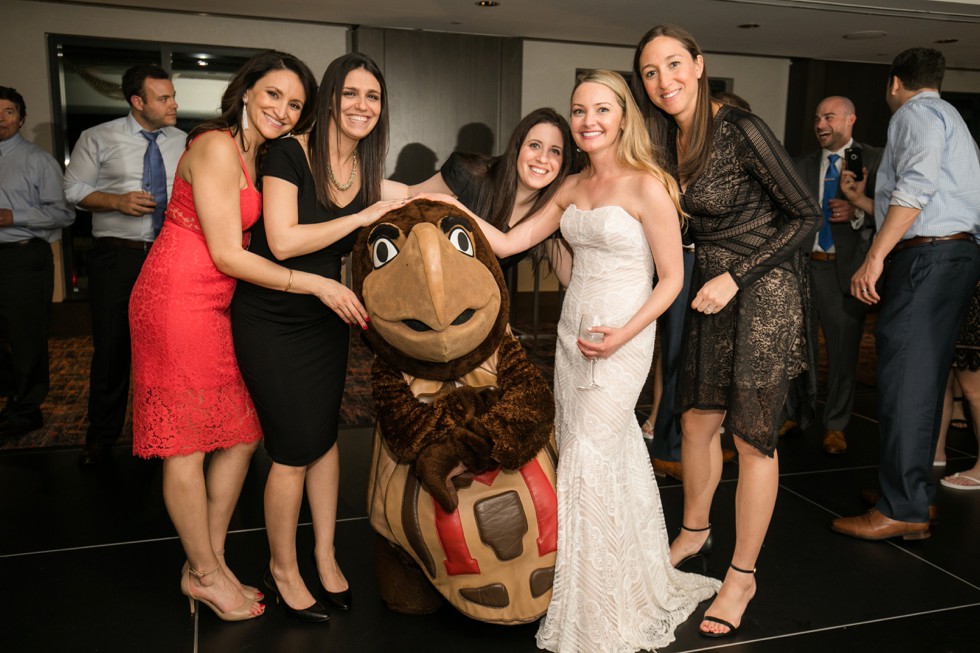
432,249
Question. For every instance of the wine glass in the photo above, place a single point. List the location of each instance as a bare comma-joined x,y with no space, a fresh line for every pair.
587,322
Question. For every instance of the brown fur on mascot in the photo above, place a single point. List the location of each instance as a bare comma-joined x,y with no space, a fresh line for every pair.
463,472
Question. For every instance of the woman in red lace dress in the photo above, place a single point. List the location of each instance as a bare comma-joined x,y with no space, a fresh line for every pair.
188,397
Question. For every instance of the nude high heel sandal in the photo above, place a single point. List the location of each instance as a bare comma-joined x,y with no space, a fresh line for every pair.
248,610
252,593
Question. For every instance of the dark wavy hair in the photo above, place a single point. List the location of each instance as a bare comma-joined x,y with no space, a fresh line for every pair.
11,95
371,150
133,78
233,106
497,176
659,124
919,68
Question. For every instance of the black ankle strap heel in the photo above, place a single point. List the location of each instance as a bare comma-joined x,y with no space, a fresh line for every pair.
705,549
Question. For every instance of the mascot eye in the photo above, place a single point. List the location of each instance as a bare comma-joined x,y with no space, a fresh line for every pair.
461,240
383,251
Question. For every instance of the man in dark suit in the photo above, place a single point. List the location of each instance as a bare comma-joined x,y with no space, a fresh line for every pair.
838,251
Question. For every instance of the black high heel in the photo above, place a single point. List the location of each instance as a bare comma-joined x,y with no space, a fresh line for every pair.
316,613
731,629
703,552
337,600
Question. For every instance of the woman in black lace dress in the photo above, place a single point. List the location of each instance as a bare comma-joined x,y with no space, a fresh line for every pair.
748,213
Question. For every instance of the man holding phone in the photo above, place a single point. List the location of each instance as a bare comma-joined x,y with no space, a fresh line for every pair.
838,251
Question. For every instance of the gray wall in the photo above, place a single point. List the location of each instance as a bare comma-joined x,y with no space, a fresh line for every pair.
446,92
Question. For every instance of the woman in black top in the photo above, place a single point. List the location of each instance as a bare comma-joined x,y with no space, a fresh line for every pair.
748,213
318,190
506,189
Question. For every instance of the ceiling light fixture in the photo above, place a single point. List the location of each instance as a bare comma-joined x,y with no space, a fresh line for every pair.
748,25
487,3
946,41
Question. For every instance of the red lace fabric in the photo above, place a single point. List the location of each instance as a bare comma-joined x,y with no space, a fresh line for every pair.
188,394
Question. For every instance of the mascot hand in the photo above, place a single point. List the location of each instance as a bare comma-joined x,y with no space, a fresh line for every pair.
467,402
436,466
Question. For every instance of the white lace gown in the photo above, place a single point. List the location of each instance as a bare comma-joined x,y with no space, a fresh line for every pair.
614,589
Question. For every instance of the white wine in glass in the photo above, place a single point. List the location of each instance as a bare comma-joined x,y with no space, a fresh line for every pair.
584,332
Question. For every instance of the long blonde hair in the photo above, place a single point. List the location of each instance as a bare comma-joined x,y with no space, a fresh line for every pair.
634,149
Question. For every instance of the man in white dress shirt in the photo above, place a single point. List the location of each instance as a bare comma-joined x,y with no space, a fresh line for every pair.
115,172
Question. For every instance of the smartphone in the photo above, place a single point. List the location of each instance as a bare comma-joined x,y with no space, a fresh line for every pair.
854,161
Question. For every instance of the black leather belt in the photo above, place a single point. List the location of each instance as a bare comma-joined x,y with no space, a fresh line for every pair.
19,243
919,241
110,241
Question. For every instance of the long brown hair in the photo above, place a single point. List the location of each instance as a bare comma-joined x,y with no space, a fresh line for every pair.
233,106
371,150
658,123
497,176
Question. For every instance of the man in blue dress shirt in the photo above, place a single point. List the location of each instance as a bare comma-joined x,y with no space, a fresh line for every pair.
927,208
33,211
108,175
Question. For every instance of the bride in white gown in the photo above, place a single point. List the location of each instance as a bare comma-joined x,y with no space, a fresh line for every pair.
615,590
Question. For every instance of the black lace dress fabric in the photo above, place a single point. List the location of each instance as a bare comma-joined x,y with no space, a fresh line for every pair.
966,356
748,214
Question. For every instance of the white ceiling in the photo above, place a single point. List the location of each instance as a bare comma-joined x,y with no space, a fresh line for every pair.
787,28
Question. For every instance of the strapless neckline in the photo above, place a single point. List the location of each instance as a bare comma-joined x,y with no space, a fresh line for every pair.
602,208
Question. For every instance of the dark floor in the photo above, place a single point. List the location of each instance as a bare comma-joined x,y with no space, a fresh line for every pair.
91,564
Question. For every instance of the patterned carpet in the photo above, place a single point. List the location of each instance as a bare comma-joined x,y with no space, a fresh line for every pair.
66,405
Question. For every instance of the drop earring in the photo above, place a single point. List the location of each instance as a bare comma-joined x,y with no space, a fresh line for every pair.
244,113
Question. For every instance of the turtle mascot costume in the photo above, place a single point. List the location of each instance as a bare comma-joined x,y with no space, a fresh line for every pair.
462,488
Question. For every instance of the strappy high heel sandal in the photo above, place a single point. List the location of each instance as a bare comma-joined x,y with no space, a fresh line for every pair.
647,429
703,552
248,610
731,629
250,592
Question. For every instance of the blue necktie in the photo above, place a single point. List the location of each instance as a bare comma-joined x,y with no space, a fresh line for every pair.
830,183
155,178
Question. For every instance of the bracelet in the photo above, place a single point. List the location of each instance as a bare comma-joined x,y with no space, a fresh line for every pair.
289,284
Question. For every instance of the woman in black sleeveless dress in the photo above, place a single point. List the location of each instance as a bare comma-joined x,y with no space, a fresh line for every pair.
318,190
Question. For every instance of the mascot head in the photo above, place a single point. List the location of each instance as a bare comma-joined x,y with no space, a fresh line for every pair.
433,290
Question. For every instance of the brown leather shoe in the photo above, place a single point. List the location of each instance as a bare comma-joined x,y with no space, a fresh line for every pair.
834,442
871,496
873,525
789,427
727,455
667,468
